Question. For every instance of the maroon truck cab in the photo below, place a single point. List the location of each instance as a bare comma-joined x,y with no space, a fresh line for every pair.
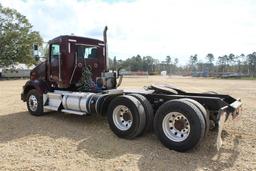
67,56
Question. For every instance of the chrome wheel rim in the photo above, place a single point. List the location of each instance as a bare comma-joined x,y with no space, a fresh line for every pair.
176,126
32,102
122,117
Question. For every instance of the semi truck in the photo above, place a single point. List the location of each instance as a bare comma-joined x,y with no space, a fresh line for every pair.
75,79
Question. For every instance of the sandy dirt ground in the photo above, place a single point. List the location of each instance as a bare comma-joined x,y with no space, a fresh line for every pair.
59,141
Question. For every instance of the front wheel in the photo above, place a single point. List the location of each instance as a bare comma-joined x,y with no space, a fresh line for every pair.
35,103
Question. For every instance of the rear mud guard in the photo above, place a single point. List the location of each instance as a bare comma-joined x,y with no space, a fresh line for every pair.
234,109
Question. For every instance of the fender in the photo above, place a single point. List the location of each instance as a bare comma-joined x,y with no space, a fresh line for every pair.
40,85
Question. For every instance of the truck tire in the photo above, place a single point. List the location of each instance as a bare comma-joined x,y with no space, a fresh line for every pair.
35,103
203,111
126,116
179,125
149,112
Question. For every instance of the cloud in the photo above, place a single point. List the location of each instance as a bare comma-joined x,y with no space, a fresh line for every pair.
156,28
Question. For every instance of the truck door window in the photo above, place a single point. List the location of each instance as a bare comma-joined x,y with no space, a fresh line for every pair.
55,51
86,52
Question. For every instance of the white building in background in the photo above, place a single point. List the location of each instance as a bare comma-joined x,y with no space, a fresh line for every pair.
163,73
16,71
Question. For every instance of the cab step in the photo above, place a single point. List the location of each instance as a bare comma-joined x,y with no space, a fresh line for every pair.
73,112
52,101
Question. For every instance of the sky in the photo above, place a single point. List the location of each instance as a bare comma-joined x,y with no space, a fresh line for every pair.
178,28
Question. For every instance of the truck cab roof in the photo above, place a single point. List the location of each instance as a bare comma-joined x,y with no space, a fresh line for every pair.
76,39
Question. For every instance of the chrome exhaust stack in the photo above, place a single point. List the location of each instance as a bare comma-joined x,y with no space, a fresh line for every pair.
116,74
106,48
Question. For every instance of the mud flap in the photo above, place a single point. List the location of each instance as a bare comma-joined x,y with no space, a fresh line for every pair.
223,116
222,119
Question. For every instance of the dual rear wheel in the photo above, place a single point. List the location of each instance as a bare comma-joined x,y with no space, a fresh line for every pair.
130,116
179,124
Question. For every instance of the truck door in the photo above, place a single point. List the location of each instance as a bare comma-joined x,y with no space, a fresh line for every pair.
55,62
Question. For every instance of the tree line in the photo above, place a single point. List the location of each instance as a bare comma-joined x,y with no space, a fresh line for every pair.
231,63
242,64
145,63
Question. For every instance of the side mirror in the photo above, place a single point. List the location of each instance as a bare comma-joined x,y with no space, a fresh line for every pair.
37,54
35,47
35,51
